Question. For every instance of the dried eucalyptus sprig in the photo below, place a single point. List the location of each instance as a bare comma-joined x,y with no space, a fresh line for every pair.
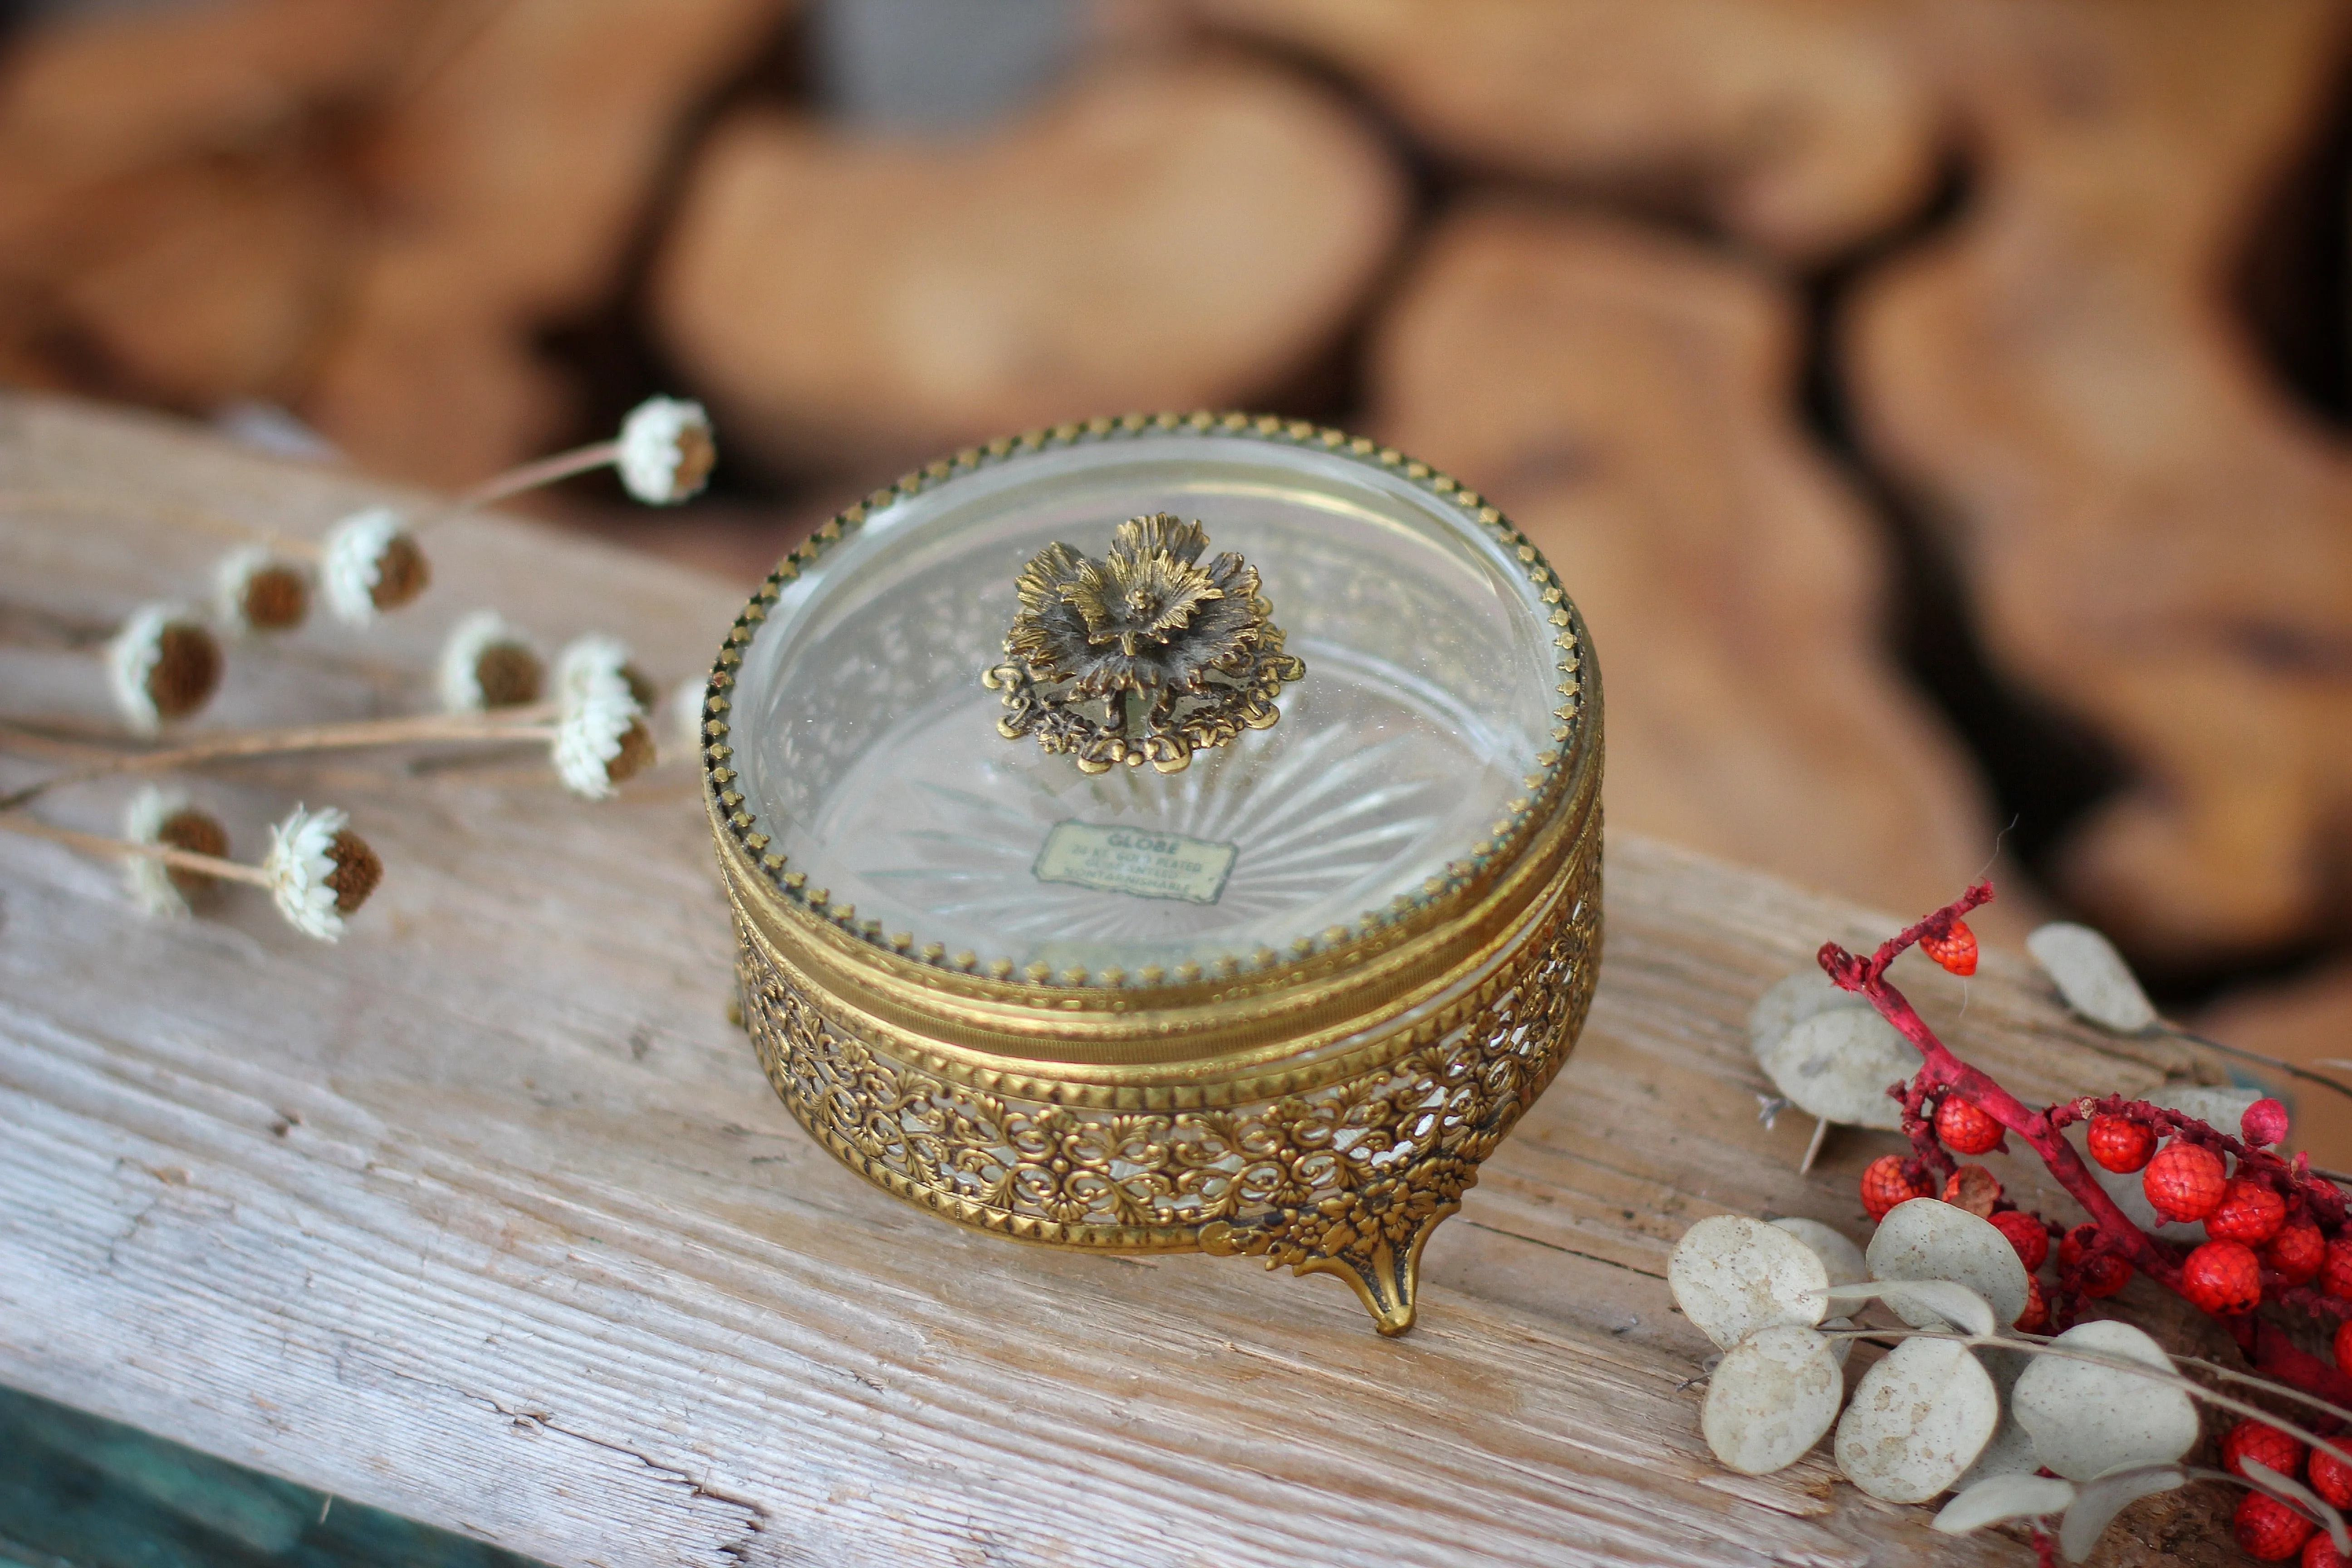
2099,1402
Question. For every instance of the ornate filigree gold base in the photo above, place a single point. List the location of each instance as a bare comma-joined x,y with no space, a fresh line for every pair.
1346,1176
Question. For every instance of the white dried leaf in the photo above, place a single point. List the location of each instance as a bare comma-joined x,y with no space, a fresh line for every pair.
1839,1255
1918,1422
2004,1365
1923,1303
1791,1000
1938,1303
1772,1398
2010,1452
2096,1505
2287,1489
2091,976
2003,1497
2220,1107
2088,1419
1928,1239
1732,1276
1838,1065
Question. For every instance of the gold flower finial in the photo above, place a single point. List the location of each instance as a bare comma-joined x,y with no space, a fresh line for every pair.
1182,655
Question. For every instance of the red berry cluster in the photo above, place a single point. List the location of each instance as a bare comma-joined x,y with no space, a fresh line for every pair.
2259,1223
2267,1528
2274,1234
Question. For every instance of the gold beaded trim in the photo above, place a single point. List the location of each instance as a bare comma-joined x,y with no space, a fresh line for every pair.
1506,837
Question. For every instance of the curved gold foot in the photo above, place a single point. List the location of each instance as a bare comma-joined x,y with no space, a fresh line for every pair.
1380,1262
1385,1289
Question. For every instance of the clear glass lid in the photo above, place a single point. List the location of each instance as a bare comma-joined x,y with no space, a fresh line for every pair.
886,794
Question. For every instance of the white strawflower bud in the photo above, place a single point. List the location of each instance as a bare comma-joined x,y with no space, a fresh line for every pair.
601,737
164,817
320,871
163,664
485,663
371,563
667,450
256,590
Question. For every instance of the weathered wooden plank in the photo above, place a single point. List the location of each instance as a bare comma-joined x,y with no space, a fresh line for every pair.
487,1215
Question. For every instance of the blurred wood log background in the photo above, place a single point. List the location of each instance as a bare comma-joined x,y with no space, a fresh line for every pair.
1939,406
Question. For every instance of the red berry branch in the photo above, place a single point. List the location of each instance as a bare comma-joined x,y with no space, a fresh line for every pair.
2268,1202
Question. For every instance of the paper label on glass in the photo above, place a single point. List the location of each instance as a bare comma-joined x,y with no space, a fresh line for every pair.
1137,861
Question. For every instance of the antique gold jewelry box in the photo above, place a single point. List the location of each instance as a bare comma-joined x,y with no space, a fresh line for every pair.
1165,833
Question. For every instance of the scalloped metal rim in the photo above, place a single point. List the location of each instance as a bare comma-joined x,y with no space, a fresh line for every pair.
1502,845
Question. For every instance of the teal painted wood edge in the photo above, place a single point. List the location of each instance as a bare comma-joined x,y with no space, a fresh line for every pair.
79,1491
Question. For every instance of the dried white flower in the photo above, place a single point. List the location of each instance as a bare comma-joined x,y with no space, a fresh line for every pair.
163,664
256,590
485,663
164,817
601,737
667,450
2091,976
371,562
320,871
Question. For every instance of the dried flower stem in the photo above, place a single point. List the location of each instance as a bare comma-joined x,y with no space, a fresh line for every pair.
530,476
532,723
99,845
23,742
212,523
2263,1343
2275,1064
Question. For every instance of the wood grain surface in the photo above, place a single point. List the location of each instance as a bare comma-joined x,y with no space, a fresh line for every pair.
2153,534
1622,392
485,1215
